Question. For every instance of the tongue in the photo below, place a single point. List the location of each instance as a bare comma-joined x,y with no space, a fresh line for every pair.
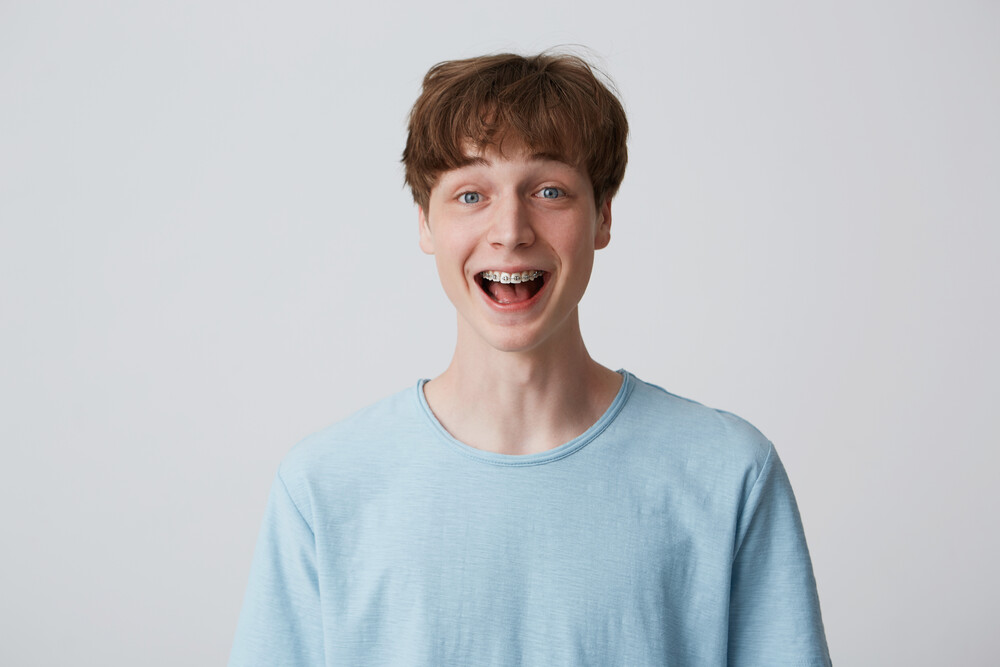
509,292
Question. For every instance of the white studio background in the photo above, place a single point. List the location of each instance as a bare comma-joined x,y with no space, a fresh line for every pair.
206,253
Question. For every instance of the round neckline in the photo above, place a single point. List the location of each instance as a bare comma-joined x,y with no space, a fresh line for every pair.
538,458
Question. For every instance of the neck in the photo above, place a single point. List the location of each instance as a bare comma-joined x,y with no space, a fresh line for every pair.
521,402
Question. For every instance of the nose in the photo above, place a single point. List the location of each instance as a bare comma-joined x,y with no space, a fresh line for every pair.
510,224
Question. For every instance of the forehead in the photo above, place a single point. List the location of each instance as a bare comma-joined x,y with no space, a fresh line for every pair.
507,158
511,146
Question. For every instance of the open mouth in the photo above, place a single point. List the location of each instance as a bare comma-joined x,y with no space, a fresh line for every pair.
509,288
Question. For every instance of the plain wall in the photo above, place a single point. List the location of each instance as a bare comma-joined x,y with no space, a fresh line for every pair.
206,253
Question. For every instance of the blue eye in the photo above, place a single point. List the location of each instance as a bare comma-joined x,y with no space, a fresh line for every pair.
551,193
469,197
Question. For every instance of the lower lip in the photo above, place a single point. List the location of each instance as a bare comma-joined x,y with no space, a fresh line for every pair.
514,307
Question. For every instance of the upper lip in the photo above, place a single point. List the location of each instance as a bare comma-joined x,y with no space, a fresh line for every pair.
516,269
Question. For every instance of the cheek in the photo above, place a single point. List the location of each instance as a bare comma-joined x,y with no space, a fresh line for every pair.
452,256
579,246
578,251
452,250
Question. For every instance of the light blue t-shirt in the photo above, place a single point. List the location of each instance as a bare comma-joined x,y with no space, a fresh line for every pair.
667,534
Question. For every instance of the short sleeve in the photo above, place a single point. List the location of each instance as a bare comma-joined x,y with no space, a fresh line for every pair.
281,619
774,615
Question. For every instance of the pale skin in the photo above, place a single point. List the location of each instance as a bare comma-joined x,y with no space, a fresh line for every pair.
521,380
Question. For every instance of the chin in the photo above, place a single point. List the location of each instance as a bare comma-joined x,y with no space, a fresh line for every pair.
516,343
520,338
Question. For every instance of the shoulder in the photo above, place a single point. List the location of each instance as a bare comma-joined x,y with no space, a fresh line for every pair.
699,430
671,443
376,432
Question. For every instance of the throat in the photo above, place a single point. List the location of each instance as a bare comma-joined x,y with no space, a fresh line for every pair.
522,414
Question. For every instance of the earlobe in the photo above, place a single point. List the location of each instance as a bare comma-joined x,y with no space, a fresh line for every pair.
603,236
426,239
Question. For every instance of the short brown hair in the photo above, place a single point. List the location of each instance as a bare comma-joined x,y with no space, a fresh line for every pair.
553,103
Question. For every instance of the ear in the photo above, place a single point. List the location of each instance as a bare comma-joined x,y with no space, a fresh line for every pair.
603,235
426,238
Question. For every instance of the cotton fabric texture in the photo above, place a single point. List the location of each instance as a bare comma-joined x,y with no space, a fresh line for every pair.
667,534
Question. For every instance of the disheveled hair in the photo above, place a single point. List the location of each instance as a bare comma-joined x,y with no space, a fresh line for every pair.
552,103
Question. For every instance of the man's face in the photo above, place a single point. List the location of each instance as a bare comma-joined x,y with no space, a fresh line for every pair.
514,237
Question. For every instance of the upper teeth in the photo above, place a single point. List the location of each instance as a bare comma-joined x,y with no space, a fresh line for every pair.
504,277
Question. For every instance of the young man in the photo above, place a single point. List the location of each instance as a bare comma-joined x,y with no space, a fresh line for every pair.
528,506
